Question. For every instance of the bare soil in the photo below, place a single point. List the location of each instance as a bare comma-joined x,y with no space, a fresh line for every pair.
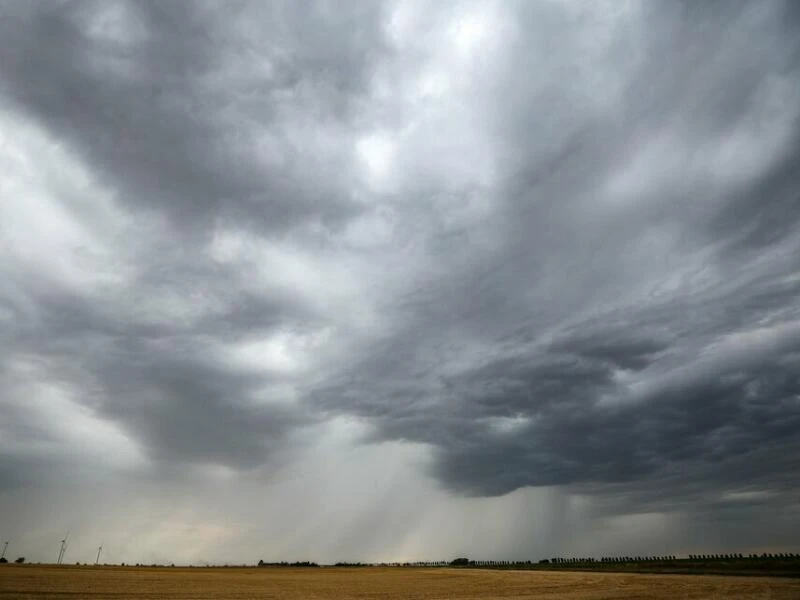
120,583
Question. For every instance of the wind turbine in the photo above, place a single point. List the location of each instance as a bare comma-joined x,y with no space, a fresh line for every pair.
99,550
63,548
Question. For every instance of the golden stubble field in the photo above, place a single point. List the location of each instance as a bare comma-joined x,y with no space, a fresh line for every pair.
121,583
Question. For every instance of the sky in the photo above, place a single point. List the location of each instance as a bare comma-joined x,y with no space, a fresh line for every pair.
398,280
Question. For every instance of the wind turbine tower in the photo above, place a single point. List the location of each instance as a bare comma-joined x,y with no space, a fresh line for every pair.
63,549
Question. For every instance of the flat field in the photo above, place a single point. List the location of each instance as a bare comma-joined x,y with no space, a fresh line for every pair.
121,583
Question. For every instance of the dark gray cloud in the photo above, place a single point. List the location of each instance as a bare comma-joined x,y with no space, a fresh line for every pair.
629,250
169,104
507,246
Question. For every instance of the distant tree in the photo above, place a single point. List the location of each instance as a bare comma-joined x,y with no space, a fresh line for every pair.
3,560
20,560
459,562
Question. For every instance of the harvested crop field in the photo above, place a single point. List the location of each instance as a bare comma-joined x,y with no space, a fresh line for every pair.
31,581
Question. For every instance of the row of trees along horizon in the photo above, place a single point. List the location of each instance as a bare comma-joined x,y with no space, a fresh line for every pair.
559,561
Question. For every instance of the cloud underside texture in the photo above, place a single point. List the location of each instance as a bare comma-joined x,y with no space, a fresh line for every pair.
556,243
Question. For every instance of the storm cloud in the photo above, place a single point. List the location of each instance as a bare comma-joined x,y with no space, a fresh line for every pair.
497,258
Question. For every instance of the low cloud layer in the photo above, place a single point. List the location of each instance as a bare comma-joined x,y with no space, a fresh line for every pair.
532,265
